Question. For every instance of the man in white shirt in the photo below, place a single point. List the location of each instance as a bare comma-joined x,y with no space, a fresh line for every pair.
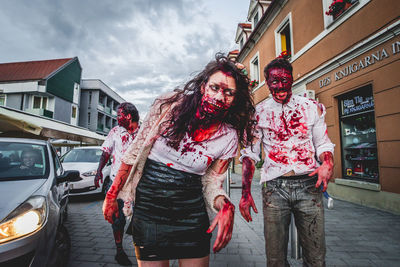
294,137
117,142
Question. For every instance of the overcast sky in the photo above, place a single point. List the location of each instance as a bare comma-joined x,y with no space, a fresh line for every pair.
140,48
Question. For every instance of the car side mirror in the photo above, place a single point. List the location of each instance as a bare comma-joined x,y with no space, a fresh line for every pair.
69,176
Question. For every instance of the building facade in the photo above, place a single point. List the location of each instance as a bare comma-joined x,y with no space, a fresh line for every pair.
49,88
98,106
345,55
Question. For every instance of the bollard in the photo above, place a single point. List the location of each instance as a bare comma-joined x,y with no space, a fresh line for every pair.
294,240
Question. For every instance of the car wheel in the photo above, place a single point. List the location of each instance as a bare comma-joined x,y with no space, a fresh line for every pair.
62,248
106,186
65,213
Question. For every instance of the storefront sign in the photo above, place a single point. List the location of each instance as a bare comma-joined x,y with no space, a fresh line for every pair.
361,64
357,103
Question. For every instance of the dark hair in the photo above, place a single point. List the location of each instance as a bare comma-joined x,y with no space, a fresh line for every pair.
278,62
239,115
129,108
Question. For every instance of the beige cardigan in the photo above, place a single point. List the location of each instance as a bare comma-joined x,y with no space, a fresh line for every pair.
137,153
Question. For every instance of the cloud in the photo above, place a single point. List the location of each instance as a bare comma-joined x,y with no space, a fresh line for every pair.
140,48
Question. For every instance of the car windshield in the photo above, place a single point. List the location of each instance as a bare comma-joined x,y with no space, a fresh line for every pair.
23,161
82,155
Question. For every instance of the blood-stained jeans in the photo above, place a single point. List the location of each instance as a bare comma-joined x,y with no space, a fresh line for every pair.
283,196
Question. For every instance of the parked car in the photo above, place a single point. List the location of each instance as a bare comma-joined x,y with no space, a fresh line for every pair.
86,160
33,204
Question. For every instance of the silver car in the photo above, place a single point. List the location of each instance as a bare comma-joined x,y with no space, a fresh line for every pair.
86,160
33,204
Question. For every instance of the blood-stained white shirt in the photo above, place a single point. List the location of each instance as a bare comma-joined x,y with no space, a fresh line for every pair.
196,157
116,143
292,136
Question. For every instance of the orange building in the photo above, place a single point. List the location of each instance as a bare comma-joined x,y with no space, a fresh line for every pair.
346,55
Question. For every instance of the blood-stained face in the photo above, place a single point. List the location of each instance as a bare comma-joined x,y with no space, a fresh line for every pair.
218,94
280,84
123,120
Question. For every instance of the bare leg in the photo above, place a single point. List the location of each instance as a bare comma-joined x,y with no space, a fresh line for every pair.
153,263
197,262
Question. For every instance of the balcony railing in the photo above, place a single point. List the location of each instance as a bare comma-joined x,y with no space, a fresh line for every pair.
100,106
41,112
114,113
108,110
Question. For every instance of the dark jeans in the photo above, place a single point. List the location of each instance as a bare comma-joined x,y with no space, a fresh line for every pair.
283,196
119,223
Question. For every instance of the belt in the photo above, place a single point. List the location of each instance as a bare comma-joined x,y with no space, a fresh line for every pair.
304,179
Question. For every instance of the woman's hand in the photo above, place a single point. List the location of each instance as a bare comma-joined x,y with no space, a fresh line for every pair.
110,205
110,209
224,220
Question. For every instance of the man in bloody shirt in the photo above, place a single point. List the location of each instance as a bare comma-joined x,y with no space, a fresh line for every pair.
117,142
298,160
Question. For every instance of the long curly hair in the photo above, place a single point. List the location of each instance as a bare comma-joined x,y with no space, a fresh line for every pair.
239,115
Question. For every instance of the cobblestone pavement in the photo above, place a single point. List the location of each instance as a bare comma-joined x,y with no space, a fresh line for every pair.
355,236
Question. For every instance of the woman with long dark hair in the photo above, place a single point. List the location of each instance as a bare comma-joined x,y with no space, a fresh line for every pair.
175,167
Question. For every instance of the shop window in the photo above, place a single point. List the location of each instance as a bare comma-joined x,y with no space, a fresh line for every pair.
358,135
283,37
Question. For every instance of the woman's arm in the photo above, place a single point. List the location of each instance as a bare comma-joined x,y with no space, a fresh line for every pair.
110,206
220,203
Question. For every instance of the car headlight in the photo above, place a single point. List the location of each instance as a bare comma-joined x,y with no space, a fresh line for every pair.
90,173
27,218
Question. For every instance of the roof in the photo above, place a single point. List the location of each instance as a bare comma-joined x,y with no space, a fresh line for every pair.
30,70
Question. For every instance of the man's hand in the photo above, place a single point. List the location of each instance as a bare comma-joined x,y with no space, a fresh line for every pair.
247,202
325,171
110,208
224,219
98,178
105,156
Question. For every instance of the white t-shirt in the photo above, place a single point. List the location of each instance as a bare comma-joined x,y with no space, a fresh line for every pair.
292,135
116,143
196,157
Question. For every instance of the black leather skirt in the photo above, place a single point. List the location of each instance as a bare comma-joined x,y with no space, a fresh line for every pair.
170,218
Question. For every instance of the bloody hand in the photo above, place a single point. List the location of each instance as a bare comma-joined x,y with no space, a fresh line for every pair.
247,200
325,171
224,219
110,208
244,206
98,178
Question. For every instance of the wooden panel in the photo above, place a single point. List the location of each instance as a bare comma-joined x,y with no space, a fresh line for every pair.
387,102
390,179
388,153
387,76
388,128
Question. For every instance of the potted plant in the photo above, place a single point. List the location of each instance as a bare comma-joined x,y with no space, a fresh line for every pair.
338,7
253,83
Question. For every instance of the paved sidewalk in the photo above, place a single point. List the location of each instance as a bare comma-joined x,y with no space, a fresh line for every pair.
355,236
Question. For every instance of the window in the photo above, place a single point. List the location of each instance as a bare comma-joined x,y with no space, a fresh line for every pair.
88,118
335,10
358,135
255,69
255,21
2,99
283,37
241,43
73,112
39,102
90,98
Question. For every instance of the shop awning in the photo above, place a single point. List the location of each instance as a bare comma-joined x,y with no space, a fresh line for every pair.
26,124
